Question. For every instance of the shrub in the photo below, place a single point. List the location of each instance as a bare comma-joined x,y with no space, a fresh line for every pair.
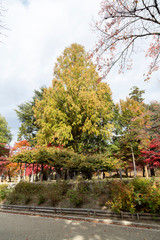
100,188
122,196
3,191
140,185
63,187
75,197
139,195
102,200
41,199
82,187
27,199
146,196
53,196
56,191
15,198
29,188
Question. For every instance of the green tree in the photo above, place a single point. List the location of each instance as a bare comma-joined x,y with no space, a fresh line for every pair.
28,128
136,94
5,134
77,110
135,122
154,108
5,137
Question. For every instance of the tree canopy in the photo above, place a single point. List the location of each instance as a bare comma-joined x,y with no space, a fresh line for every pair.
77,110
132,125
136,94
5,138
28,128
152,154
122,24
5,134
154,108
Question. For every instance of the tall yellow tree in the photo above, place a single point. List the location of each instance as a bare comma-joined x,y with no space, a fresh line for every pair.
76,111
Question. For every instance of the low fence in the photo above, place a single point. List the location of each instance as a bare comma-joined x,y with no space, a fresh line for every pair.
83,212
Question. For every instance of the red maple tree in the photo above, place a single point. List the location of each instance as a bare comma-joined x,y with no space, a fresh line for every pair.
4,153
152,155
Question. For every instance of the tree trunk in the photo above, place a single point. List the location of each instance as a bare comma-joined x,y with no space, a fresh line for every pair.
152,172
49,175
65,174
130,174
143,171
126,172
32,176
146,171
20,172
98,174
134,164
57,173
37,174
42,172
102,175
9,176
74,175
24,176
120,173
117,172
68,175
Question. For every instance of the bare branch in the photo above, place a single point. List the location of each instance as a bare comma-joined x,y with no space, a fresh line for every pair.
156,6
123,22
2,25
148,9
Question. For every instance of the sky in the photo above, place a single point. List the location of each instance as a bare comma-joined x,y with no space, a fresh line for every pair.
37,33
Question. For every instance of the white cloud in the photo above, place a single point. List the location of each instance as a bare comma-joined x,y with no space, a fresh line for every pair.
39,32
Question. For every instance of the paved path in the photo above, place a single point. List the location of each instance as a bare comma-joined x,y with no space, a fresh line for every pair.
21,227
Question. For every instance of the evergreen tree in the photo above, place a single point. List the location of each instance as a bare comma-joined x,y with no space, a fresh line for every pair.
136,94
5,137
5,134
28,128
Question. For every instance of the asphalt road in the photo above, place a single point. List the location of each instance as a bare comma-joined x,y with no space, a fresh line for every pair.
21,227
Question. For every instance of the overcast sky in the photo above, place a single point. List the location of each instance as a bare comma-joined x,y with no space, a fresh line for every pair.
39,30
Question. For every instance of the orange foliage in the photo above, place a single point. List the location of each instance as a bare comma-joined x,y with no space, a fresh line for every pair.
18,146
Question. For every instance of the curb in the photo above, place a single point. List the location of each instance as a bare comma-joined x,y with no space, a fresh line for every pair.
86,219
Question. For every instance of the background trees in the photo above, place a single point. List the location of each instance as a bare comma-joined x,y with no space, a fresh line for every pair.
129,146
122,24
132,128
5,134
152,155
77,110
5,138
28,128
77,115
136,94
154,108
